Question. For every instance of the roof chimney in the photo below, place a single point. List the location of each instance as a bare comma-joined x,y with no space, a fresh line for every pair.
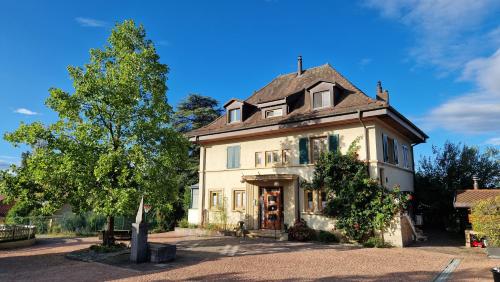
476,183
382,95
299,65
379,87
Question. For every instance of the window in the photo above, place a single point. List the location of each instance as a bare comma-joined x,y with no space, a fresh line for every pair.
274,113
321,99
308,201
259,159
390,148
406,158
322,200
272,157
234,115
216,200
239,200
233,157
194,198
285,154
318,146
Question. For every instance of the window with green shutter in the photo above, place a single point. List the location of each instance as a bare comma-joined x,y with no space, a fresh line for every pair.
233,157
304,150
333,143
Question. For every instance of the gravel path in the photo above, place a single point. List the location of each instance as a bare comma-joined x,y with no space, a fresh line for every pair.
227,258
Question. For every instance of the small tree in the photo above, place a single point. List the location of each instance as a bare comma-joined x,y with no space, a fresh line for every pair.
485,219
359,203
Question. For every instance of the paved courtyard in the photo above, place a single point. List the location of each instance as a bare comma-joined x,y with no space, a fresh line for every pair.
228,258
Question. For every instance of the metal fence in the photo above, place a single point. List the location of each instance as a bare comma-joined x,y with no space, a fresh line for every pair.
16,232
88,223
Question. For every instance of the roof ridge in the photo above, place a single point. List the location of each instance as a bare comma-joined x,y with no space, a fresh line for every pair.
353,85
282,75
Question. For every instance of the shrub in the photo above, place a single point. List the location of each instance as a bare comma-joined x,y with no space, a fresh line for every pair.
95,222
327,237
183,223
74,222
300,232
376,242
485,219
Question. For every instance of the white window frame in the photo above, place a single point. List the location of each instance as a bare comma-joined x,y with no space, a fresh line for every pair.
274,113
236,118
324,102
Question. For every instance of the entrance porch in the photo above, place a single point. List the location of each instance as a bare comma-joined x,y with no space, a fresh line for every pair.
272,201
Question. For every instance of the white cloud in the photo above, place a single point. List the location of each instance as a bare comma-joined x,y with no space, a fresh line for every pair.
25,111
7,161
476,112
493,141
452,36
447,31
89,22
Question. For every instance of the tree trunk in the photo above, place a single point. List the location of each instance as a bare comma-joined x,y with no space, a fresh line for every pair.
108,238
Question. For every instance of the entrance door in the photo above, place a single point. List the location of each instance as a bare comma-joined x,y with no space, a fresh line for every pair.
271,208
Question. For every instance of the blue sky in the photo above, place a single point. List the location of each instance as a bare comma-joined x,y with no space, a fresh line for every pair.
440,60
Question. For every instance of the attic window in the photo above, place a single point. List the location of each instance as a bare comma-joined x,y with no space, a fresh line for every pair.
274,113
321,99
234,115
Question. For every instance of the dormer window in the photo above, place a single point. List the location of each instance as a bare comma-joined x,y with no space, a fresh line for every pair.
321,99
274,113
234,115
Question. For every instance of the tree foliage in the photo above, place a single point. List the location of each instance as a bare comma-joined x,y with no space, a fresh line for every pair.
112,142
359,203
449,169
485,219
194,112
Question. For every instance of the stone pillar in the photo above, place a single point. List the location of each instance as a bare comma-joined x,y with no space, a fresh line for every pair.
139,248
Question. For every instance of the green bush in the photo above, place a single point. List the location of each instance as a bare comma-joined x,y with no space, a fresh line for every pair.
300,232
95,222
376,242
74,223
327,237
485,219
183,223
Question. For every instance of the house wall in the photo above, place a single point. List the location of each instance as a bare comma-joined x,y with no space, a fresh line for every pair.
393,174
215,176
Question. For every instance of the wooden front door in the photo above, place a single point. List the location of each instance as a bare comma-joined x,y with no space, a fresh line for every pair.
271,208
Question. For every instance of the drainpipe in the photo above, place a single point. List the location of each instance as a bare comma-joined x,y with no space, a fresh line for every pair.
367,150
202,179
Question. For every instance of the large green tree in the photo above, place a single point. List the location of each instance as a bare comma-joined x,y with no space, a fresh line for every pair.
113,142
449,169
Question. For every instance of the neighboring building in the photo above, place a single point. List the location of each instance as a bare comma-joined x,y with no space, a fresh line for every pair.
254,157
466,199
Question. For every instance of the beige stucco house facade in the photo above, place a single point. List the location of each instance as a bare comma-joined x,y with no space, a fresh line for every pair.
253,158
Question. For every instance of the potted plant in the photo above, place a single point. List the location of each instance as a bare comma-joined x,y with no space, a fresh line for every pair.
485,218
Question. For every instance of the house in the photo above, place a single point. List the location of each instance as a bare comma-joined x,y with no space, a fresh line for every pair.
254,157
466,199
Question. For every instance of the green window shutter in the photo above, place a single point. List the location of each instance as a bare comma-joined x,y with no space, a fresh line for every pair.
304,150
333,142
396,152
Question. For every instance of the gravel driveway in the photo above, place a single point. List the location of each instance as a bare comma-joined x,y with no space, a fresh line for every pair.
228,258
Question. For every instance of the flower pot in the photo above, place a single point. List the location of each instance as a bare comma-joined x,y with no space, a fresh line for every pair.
496,274
493,252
